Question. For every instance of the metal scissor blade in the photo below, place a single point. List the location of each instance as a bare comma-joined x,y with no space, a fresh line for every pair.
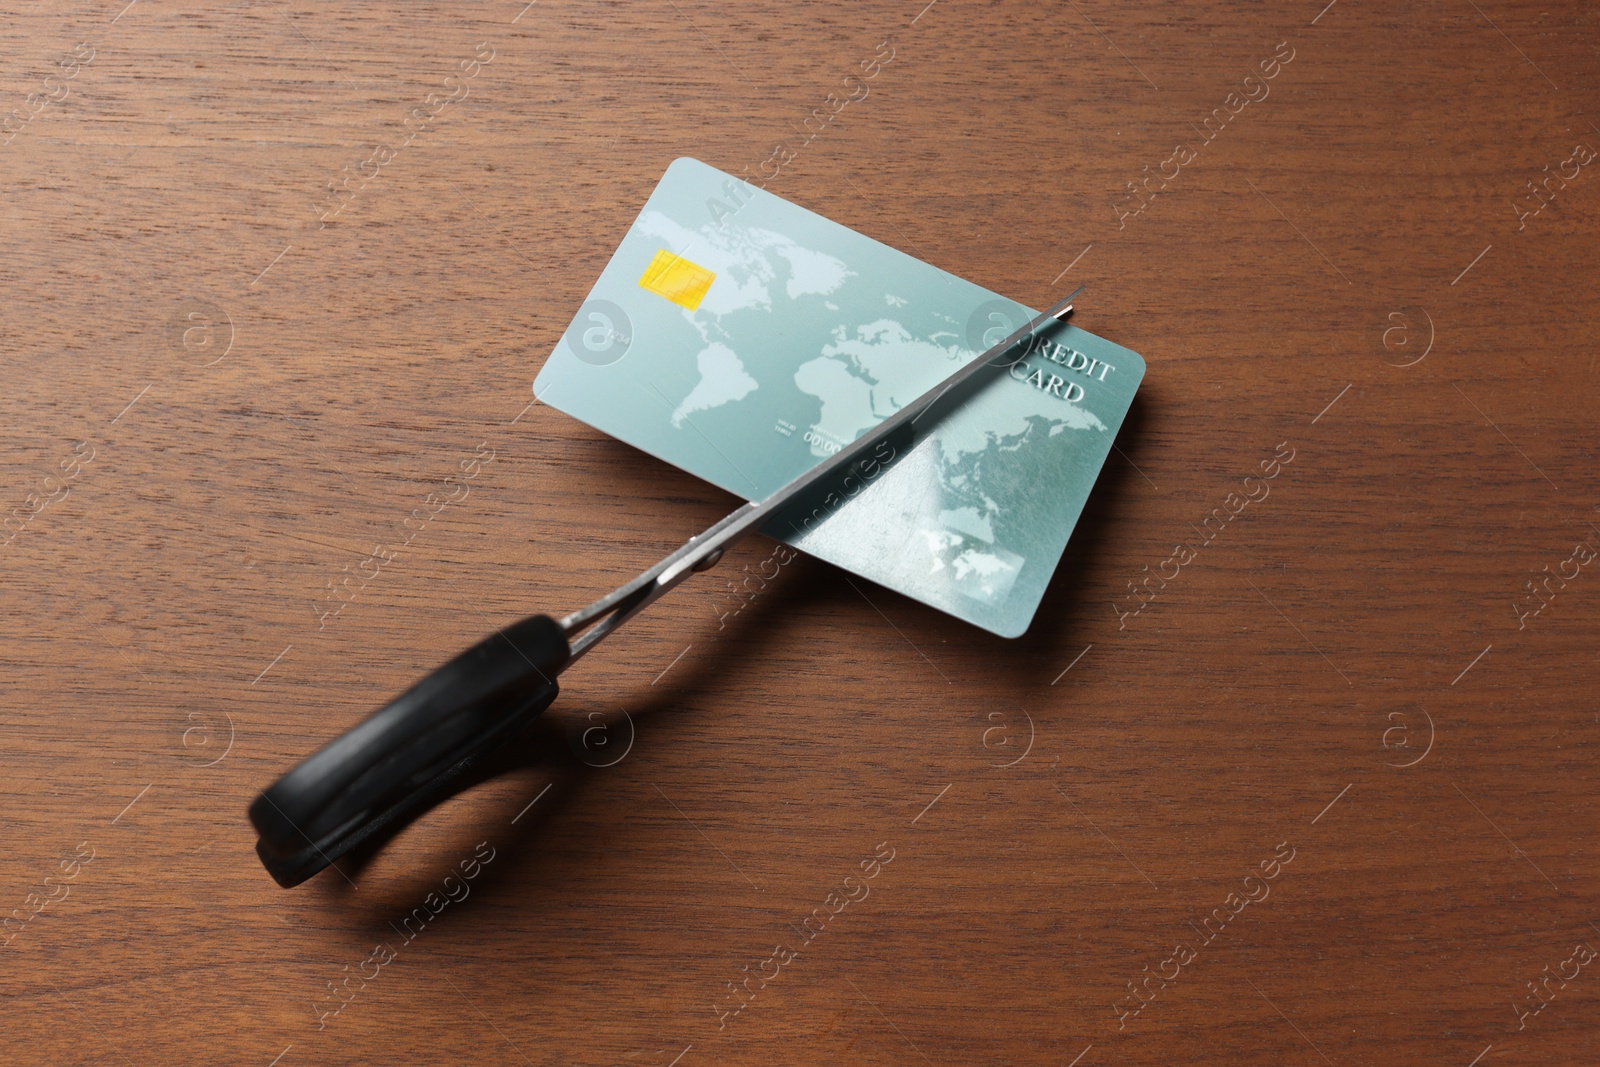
705,549
909,414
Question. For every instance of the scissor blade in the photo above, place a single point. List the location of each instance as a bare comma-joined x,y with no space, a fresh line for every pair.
908,414
705,549
709,544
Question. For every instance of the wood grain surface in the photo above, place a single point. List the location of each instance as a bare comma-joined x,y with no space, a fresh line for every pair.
274,270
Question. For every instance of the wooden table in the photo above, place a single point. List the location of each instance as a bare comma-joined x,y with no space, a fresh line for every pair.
274,271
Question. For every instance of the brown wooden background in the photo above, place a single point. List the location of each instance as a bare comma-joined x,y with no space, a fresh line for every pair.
1340,269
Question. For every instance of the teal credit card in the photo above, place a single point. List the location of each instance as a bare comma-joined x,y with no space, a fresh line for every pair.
743,339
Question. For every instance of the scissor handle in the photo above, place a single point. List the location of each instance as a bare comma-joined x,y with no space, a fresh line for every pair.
404,757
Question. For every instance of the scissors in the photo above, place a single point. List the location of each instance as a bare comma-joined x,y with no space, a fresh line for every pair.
407,755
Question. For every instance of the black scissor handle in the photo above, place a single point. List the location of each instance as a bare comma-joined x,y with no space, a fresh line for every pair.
404,757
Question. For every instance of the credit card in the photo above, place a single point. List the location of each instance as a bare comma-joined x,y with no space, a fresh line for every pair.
743,338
